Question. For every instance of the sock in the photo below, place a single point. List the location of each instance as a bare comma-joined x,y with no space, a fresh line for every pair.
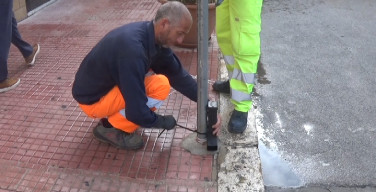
106,123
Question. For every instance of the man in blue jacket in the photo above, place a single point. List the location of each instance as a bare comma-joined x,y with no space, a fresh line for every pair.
128,74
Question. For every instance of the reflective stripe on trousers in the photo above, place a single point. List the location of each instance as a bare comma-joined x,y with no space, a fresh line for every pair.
238,33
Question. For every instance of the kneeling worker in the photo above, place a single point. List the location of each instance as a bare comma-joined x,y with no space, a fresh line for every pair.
128,74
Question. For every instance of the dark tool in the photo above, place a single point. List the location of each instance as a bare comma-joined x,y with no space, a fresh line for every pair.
211,114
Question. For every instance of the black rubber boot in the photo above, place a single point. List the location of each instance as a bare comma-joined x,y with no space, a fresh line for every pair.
222,86
238,122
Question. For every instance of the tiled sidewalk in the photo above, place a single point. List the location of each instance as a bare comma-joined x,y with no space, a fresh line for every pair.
46,141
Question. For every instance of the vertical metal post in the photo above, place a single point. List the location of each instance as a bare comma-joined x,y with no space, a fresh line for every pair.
202,69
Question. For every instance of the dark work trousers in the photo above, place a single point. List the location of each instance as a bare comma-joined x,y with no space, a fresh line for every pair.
9,34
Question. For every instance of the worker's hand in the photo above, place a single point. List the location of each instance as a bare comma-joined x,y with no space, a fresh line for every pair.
217,126
166,122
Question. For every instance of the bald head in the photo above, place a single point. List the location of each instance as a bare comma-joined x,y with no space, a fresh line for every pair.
174,11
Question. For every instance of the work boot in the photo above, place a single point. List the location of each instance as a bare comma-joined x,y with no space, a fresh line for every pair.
238,122
9,84
117,137
222,86
30,60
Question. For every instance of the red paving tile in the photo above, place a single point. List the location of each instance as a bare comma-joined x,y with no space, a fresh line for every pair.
46,142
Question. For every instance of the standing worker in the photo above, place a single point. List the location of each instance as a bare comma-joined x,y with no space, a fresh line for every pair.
238,33
9,34
128,74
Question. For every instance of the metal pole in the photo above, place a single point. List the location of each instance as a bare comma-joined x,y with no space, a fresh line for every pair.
202,69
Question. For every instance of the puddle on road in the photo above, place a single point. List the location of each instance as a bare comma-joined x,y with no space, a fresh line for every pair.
276,172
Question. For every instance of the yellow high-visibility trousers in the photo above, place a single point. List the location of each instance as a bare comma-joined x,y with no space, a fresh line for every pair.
238,27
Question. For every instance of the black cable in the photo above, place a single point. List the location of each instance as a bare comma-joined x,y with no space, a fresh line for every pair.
186,128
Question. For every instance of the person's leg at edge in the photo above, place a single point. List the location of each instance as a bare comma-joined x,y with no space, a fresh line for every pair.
246,50
28,52
223,30
25,48
5,41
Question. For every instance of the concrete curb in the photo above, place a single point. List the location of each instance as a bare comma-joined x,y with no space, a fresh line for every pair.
238,158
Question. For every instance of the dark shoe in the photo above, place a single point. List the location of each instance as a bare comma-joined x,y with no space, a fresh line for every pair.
9,84
118,138
222,86
238,122
31,59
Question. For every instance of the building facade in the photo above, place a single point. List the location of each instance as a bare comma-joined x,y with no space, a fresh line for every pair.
21,8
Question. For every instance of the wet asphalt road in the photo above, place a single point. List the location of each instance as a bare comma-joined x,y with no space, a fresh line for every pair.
317,99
